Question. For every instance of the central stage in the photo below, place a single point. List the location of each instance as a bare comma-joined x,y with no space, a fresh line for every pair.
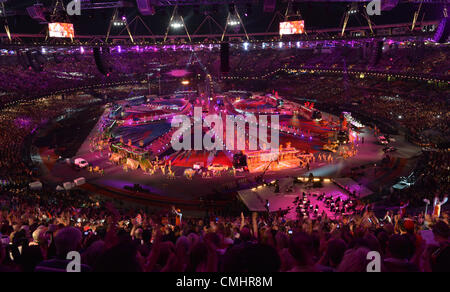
142,132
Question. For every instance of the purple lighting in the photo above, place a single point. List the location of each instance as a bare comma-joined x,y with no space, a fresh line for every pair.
23,122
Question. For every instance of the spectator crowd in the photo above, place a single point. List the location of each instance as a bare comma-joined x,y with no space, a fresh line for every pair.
39,229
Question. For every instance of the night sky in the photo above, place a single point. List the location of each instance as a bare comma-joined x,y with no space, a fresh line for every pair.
316,15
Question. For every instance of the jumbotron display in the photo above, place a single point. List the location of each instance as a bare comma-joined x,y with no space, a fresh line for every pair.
292,27
61,30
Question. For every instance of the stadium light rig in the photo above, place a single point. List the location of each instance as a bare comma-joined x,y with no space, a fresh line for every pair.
354,9
176,25
120,22
233,21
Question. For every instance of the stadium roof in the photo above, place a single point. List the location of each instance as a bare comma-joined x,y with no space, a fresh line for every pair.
317,14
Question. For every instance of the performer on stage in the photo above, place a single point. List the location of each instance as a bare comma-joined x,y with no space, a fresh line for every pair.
437,206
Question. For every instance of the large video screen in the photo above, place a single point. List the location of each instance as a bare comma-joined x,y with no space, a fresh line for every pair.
61,30
292,27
